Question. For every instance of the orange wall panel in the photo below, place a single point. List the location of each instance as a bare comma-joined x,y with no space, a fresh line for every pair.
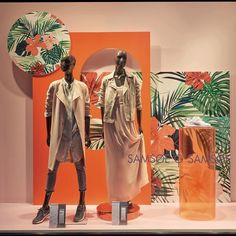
83,45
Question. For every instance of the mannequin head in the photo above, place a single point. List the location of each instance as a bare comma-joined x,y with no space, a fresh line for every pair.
121,58
68,64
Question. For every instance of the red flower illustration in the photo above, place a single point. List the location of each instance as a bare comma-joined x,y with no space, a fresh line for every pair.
93,81
156,182
33,44
197,79
37,69
160,138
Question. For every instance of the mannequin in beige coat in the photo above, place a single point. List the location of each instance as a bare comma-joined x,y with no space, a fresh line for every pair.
120,100
67,112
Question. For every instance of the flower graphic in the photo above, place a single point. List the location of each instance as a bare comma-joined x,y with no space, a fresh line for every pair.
156,182
160,137
37,69
197,79
39,37
93,81
49,41
195,180
34,44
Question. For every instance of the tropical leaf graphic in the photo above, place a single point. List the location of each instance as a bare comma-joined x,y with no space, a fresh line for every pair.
222,125
175,107
65,47
21,49
97,144
166,170
97,141
39,14
154,93
138,75
173,76
174,97
41,37
26,62
49,69
19,32
214,98
223,166
52,56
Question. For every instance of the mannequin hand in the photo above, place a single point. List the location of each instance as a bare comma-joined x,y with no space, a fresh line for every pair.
87,141
140,130
48,140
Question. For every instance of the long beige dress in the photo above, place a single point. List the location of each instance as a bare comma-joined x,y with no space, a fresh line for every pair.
125,155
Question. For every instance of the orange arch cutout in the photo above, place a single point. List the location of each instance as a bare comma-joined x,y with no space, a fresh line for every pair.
83,45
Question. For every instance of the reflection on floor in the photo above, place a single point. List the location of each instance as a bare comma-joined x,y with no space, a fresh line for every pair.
156,217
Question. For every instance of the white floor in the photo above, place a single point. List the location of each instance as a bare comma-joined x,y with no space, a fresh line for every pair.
154,218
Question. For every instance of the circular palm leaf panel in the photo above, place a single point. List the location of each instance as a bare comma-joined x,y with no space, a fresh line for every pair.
37,42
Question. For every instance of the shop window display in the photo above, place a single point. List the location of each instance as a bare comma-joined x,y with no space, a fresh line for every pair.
175,96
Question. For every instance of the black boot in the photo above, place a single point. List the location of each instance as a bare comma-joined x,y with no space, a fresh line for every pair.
44,211
81,208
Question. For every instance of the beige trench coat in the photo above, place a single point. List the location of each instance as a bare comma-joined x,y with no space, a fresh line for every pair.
132,96
54,107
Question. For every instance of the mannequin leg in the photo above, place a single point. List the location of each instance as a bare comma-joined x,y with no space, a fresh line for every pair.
46,199
81,175
44,211
82,198
81,208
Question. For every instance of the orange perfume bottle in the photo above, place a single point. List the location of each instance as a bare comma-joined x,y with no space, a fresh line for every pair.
197,172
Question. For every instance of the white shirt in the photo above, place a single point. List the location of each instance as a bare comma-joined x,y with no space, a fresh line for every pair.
71,140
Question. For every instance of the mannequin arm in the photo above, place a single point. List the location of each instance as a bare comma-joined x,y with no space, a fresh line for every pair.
48,125
102,114
139,119
87,131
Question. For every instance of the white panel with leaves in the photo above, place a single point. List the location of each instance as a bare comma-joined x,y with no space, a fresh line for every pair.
175,96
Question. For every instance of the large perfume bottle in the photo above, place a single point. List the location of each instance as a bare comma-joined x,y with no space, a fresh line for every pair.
197,172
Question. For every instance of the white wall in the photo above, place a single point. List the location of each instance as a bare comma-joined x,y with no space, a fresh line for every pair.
184,37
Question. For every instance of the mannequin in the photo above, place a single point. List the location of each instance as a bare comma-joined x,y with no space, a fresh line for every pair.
120,98
67,112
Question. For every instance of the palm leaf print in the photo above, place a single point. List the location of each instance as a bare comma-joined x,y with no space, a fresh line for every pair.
176,96
214,98
176,106
97,142
40,37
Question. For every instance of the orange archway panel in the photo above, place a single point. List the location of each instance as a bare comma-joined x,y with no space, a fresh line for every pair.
83,45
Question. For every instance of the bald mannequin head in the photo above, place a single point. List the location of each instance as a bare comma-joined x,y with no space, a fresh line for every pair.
121,58
68,63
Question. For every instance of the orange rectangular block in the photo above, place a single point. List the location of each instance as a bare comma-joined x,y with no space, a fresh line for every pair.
83,46
197,172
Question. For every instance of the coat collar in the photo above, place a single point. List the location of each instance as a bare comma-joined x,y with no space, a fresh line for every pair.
77,93
112,83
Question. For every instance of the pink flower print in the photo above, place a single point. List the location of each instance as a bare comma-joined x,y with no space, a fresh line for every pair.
49,41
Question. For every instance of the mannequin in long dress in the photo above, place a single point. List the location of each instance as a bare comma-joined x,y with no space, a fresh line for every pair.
120,98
